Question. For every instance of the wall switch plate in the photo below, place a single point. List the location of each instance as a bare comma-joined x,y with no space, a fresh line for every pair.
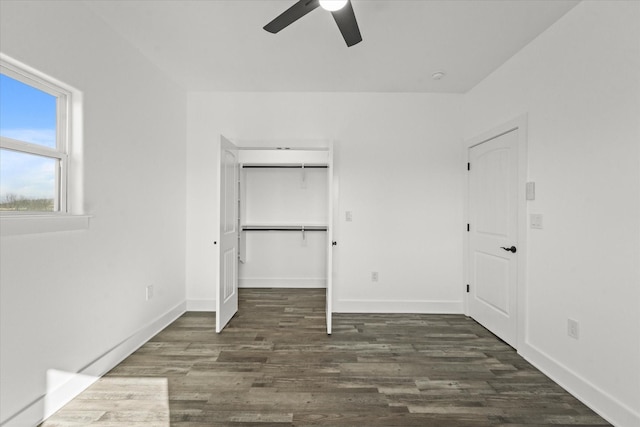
531,190
535,221
348,216
374,276
149,292
572,329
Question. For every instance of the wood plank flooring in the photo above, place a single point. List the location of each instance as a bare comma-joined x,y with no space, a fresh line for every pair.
275,365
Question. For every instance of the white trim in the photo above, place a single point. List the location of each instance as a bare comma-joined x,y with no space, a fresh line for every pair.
293,144
31,77
332,203
21,224
29,148
271,282
519,123
201,305
608,407
397,306
53,400
38,77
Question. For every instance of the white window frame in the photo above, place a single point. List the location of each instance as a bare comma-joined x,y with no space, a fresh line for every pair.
61,151
67,214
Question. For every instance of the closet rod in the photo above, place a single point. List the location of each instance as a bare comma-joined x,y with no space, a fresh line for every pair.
284,166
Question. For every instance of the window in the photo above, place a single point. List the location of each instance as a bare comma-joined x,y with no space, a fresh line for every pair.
34,129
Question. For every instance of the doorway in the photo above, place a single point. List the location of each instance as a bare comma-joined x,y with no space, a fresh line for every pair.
276,221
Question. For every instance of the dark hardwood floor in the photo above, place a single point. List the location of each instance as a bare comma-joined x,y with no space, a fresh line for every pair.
275,365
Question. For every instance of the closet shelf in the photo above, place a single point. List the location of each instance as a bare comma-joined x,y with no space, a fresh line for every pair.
284,227
284,166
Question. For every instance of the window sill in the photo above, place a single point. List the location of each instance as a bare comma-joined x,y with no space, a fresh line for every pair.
17,225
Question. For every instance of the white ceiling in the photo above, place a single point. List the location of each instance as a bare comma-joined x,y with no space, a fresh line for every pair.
219,45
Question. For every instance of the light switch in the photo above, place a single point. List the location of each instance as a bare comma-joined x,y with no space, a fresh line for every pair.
531,190
348,216
535,221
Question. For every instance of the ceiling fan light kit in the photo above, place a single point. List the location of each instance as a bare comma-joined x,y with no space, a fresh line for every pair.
332,5
342,12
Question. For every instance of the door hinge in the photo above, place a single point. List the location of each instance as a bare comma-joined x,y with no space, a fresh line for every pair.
468,227
468,166
467,288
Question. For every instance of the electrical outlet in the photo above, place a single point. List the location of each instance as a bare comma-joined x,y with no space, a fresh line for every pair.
348,216
374,276
149,292
572,329
535,221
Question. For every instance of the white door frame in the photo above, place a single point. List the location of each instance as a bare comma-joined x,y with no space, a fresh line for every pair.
519,123
331,204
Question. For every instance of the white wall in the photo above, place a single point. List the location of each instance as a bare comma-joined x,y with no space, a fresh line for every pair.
399,170
579,83
282,197
68,298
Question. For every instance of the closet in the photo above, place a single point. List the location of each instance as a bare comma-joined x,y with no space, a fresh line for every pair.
276,221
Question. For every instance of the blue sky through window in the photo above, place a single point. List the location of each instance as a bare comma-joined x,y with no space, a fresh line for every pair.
26,113
29,115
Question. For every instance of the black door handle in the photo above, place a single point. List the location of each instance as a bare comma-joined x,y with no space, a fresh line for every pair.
511,249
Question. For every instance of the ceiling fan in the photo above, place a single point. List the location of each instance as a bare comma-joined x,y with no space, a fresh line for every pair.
342,12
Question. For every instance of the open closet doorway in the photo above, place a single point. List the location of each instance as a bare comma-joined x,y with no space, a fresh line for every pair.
276,204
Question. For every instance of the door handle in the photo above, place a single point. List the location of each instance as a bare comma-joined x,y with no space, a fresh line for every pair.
511,249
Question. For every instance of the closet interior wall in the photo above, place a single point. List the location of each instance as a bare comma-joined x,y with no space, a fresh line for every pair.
283,218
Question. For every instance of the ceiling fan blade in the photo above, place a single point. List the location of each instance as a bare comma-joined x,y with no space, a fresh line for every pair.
291,15
346,20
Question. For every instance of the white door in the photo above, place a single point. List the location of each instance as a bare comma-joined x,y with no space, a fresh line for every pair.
329,303
227,284
493,225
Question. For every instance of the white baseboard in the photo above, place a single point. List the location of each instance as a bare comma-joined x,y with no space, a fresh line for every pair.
595,398
201,305
210,304
397,306
77,382
266,282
